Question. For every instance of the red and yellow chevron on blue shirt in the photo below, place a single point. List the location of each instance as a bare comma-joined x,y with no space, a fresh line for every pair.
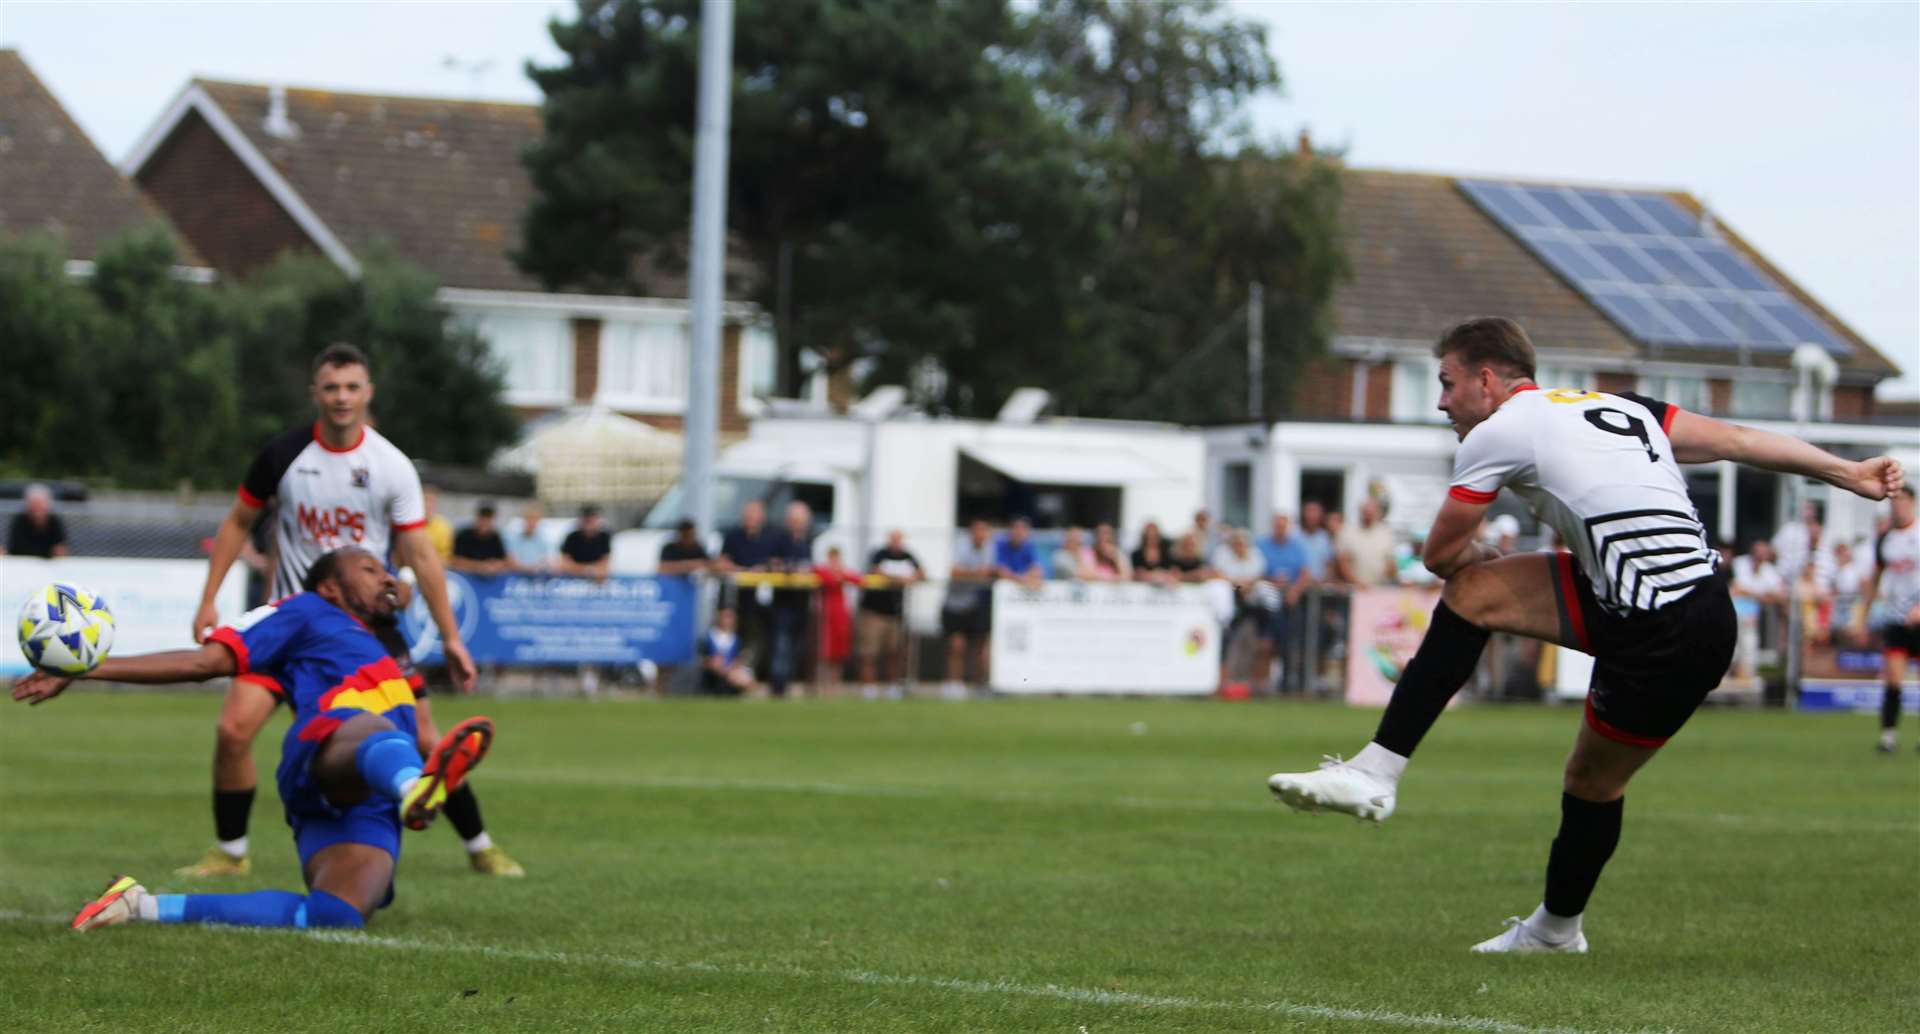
377,688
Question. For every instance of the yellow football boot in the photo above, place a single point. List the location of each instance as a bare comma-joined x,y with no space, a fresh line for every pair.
491,861
216,863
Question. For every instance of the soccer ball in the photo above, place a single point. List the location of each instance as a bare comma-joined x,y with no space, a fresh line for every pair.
65,630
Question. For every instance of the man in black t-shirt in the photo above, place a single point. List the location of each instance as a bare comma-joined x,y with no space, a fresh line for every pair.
37,530
478,548
881,631
588,549
683,554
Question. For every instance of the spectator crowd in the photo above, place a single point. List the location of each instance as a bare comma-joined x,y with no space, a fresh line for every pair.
772,625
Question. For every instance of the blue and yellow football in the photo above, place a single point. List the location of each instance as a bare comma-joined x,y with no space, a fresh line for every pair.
65,629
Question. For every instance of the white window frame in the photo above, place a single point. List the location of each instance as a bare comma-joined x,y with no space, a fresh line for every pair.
1735,410
475,317
757,346
614,335
1654,385
1402,406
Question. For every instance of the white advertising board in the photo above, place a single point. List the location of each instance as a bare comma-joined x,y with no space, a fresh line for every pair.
1094,637
152,600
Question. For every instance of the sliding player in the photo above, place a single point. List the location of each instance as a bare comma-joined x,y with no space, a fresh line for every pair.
337,482
350,774
1640,591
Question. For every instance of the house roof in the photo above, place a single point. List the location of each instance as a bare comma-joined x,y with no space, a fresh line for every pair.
52,178
1423,256
438,180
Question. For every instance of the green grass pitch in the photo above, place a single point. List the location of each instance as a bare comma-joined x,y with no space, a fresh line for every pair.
1029,865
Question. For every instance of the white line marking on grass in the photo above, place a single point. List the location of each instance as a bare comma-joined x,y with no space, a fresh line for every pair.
33,917
1008,988
1254,800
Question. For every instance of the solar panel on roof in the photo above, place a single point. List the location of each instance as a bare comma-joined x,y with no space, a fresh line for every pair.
1654,268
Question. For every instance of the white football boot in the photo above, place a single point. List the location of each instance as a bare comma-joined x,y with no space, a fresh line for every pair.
1520,938
1335,786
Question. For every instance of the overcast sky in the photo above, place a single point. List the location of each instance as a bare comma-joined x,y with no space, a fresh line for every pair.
1799,125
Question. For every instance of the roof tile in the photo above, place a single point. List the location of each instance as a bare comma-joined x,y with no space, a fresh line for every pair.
52,178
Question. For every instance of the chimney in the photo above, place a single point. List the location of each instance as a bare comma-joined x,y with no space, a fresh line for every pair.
1305,146
277,124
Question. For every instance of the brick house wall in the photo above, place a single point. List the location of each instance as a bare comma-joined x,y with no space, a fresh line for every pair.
246,229
1853,402
586,359
1720,395
1614,382
586,381
1379,400
1323,389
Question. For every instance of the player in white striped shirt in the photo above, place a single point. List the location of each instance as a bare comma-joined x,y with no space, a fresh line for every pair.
1639,590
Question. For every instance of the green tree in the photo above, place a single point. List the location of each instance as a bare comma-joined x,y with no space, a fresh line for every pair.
437,390
142,377
49,417
1197,208
892,175
165,365
124,374
1065,195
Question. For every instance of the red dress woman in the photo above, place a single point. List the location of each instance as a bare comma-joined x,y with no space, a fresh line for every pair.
836,627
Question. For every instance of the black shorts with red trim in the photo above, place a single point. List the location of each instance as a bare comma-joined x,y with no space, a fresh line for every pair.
397,647
1652,668
1901,638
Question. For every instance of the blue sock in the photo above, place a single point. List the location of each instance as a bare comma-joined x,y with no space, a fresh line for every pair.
388,760
259,908
325,910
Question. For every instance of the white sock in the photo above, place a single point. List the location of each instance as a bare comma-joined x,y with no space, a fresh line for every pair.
147,907
1559,929
406,787
1889,737
479,843
235,849
1381,762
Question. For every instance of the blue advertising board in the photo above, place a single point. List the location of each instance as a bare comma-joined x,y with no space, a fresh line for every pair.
1857,695
539,619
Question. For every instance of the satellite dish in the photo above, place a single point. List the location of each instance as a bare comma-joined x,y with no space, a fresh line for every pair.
1024,406
880,403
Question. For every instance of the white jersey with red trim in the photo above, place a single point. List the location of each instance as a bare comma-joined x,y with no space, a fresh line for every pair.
1897,557
1599,469
327,498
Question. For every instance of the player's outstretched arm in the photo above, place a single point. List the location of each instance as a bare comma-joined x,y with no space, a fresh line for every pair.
1700,439
209,661
227,544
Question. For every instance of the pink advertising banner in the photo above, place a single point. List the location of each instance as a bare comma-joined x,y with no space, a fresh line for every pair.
1384,627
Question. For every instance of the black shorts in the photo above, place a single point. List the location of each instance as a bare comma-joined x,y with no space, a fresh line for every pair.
968,612
1652,668
1902,638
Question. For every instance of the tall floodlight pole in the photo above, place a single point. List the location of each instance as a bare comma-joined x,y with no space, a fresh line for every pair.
1256,349
706,287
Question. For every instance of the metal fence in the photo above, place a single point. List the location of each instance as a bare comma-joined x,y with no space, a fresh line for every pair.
1299,649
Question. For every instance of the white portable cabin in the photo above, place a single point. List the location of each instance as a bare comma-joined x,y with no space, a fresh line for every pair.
926,475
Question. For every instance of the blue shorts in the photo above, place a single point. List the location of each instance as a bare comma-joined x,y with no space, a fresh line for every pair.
374,822
317,823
